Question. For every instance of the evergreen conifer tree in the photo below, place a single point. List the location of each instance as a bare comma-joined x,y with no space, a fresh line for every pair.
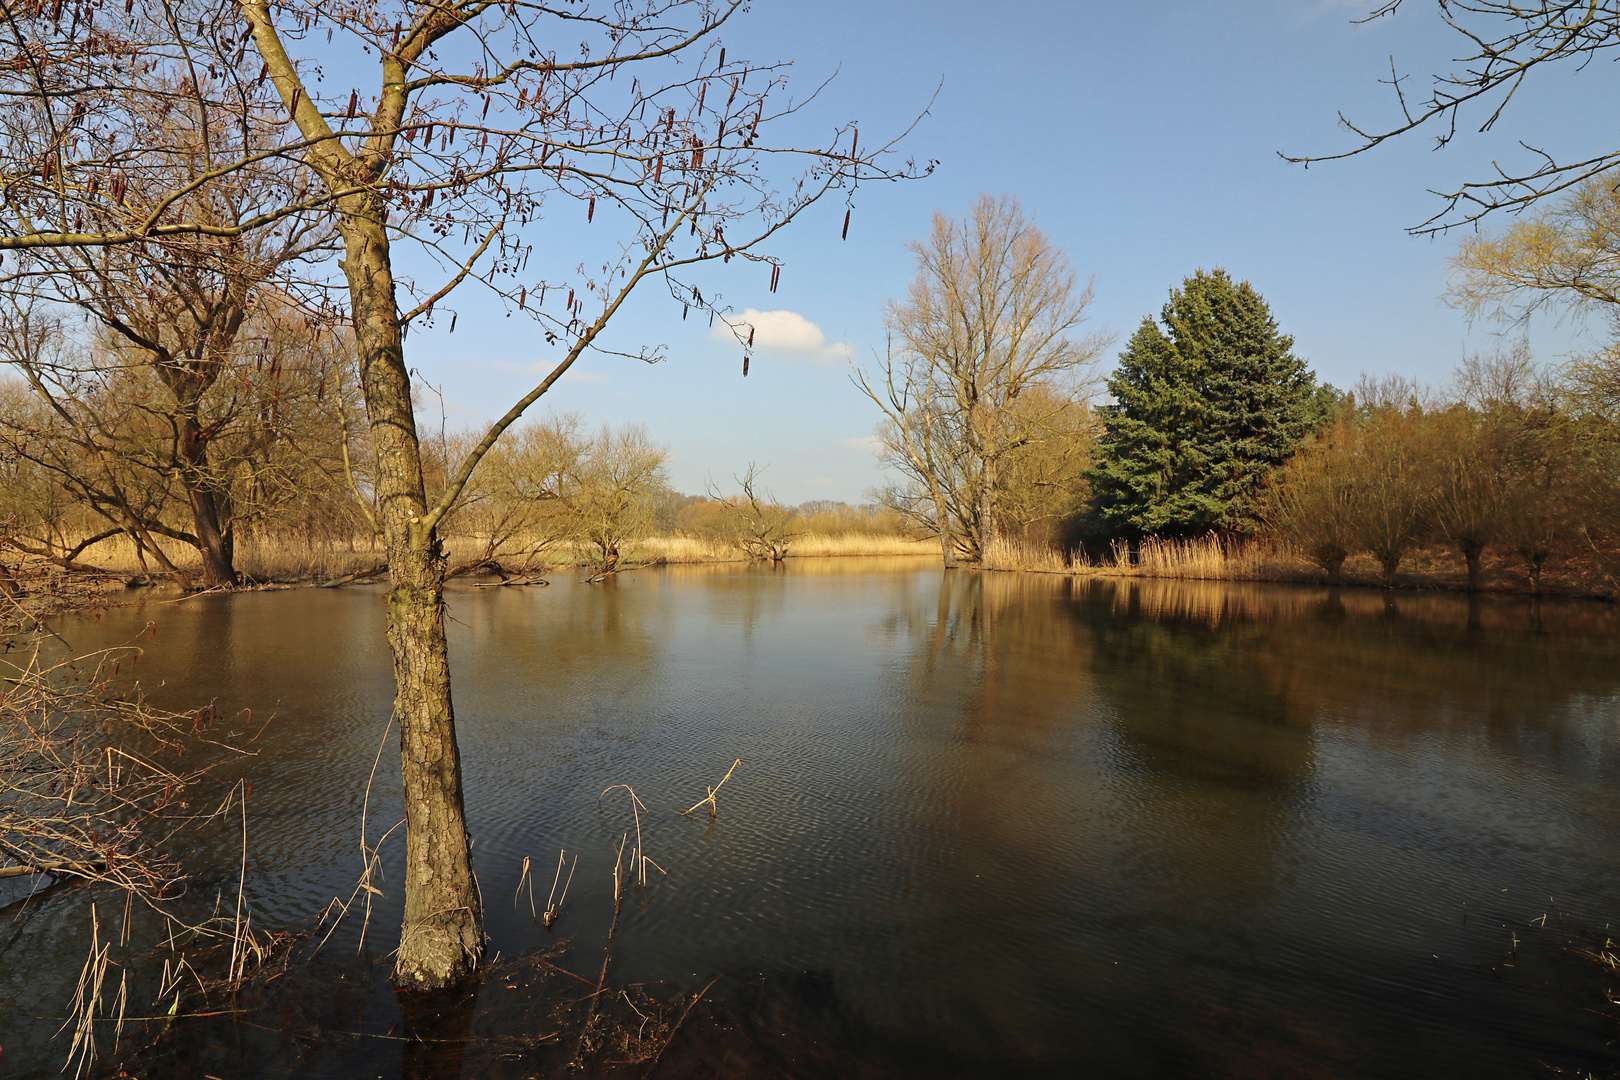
1206,407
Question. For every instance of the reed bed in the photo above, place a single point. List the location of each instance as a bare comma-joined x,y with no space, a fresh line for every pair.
1206,558
292,560
1012,554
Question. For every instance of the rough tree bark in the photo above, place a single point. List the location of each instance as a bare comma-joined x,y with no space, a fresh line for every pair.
442,940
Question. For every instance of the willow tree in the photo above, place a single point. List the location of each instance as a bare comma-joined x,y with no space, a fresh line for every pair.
181,305
985,361
468,127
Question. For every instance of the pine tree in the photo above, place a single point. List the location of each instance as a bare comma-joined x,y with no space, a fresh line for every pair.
1207,406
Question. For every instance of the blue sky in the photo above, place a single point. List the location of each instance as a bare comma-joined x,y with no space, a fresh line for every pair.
1144,139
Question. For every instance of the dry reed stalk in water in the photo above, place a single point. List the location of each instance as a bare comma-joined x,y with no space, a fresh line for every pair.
554,909
524,877
638,858
714,808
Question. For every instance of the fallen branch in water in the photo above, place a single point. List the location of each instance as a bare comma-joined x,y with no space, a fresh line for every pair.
370,571
509,584
62,866
684,1014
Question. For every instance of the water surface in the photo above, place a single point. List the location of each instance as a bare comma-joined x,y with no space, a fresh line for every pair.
984,825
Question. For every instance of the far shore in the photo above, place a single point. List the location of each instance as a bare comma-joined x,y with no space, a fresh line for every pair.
44,590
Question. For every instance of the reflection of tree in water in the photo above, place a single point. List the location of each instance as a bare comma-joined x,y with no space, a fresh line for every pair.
577,630
1514,674
1206,746
996,644
1194,692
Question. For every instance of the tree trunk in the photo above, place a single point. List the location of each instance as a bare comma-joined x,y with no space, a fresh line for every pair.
987,512
942,515
441,943
1471,553
213,543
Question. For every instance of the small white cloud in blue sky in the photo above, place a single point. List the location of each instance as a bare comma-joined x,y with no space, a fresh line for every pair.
575,375
866,444
786,333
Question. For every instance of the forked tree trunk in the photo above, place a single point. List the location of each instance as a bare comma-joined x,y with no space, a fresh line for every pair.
213,543
947,539
441,943
987,512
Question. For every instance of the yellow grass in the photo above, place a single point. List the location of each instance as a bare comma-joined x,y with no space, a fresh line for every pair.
1007,554
1206,558
833,545
288,559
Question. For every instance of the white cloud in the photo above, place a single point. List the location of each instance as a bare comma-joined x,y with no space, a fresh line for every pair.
785,333
866,444
571,375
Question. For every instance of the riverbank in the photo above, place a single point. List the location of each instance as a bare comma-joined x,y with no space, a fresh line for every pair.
1213,559
288,561
42,590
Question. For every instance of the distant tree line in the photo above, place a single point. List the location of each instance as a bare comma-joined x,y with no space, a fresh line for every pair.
1507,458
1213,426
264,440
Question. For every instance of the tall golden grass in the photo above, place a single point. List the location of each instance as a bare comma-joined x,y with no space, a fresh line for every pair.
1005,553
290,560
1207,558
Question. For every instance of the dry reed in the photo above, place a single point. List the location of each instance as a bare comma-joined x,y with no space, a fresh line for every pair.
1206,558
714,808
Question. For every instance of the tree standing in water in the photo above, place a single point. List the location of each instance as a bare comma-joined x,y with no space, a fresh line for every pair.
479,122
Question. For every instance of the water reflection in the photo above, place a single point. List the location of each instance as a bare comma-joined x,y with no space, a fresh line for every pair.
995,824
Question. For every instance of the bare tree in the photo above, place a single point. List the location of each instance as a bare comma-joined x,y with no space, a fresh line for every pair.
1393,469
611,492
512,506
249,440
758,525
1311,501
178,303
473,128
988,319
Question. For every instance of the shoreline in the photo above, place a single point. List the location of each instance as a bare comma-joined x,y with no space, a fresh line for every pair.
44,591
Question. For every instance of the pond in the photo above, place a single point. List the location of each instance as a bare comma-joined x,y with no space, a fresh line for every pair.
983,825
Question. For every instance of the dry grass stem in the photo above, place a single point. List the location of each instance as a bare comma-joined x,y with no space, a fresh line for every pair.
523,879
554,902
714,808
637,857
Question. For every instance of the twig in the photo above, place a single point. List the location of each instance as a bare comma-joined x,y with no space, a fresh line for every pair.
684,1014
